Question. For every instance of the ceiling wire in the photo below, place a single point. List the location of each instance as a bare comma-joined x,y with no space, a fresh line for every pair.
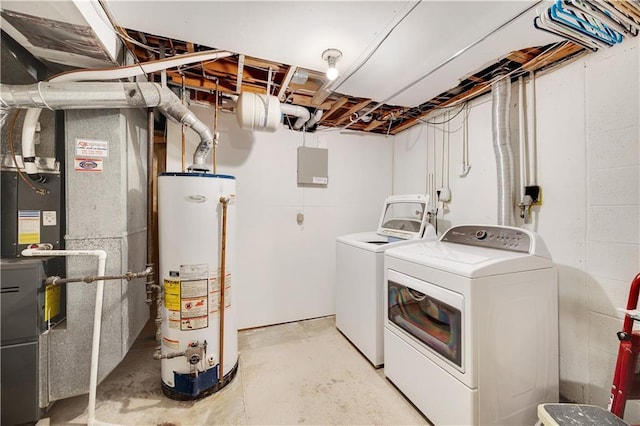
479,40
113,26
375,49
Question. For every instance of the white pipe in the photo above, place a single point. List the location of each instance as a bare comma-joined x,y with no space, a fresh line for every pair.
302,113
31,119
72,95
532,145
522,135
97,317
316,117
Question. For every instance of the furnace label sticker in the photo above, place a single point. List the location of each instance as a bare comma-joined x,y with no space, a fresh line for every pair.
92,148
28,226
49,218
89,165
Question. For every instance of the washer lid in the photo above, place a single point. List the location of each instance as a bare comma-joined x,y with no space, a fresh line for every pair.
467,260
404,216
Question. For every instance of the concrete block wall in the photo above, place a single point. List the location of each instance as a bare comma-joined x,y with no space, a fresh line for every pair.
588,167
612,127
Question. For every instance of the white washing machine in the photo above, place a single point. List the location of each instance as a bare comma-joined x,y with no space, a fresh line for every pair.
360,270
471,325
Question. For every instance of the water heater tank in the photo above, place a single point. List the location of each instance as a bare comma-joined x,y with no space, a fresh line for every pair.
258,112
191,234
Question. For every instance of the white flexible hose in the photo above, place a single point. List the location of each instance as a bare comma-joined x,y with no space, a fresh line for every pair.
97,318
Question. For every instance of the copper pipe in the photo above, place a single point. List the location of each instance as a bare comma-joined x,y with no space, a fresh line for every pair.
223,255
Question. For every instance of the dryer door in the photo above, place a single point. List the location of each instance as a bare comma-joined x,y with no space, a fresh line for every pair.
428,313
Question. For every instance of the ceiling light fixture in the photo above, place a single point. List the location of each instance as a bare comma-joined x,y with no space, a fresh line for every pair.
332,56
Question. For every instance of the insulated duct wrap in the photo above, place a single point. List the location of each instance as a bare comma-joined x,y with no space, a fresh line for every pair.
501,98
89,95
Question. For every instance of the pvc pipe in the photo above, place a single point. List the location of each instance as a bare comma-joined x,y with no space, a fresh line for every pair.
316,117
532,145
302,113
97,318
30,120
522,135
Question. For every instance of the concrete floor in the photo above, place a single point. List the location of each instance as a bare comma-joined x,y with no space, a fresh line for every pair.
298,373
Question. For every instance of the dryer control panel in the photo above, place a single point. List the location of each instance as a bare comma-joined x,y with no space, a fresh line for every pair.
490,236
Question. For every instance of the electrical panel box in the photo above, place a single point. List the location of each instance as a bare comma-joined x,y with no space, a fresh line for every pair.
313,166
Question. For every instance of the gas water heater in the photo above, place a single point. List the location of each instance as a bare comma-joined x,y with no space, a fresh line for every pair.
196,229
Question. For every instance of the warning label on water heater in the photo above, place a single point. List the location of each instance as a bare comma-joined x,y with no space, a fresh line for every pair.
194,304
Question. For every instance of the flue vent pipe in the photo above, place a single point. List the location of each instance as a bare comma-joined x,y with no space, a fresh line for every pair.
501,98
90,95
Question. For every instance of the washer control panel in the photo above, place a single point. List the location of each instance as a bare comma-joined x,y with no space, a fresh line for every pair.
497,237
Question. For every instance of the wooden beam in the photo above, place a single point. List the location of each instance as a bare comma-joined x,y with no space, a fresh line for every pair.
569,48
520,57
471,93
239,74
306,101
253,62
357,107
373,125
285,83
336,105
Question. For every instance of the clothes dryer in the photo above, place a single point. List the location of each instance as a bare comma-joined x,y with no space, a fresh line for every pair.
360,271
471,325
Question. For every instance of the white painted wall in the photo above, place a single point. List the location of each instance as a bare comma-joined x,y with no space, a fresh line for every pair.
285,271
589,170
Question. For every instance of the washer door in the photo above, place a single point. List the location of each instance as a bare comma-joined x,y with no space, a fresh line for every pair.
430,314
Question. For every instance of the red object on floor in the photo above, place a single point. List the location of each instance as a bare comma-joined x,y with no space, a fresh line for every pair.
626,379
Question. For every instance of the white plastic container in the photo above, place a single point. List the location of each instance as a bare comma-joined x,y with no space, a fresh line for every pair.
190,217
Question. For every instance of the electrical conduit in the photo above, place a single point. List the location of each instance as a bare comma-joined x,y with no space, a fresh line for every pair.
97,318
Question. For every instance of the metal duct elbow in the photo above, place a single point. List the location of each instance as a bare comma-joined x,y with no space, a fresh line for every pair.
501,98
73,95
173,107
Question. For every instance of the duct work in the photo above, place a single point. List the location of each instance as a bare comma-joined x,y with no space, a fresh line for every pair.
31,118
264,112
90,95
501,97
